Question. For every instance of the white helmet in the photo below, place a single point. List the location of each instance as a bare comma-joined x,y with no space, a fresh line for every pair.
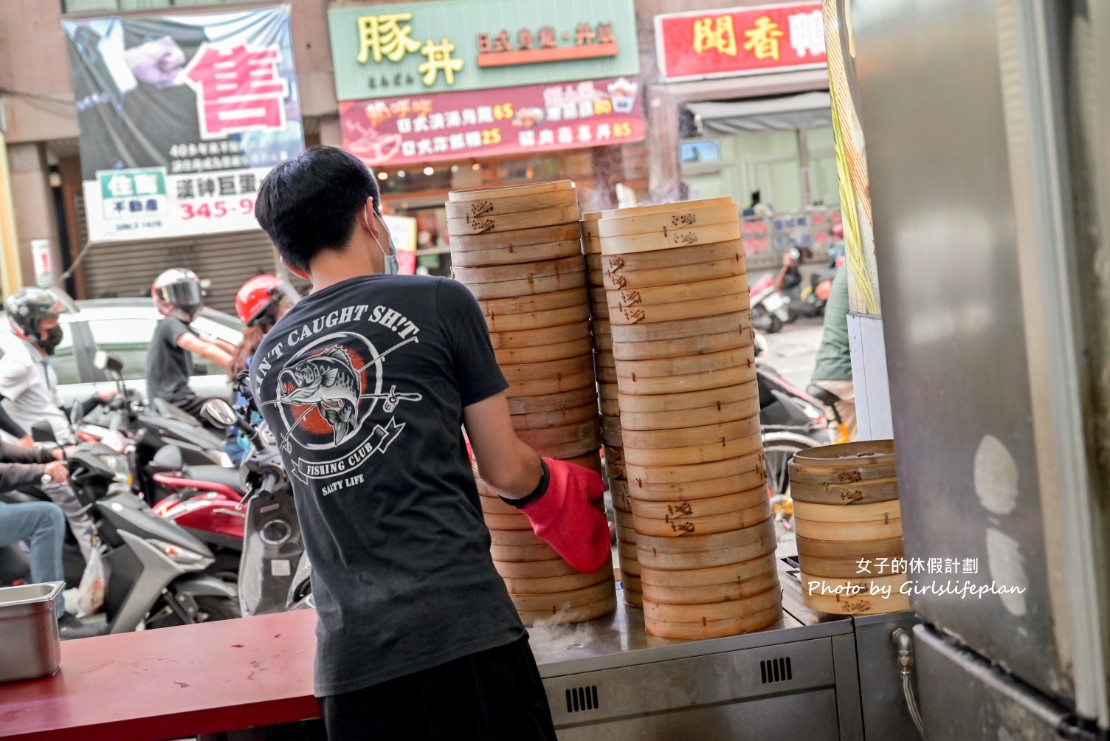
177,293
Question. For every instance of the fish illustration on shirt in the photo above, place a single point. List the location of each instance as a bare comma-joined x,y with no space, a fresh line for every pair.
329,381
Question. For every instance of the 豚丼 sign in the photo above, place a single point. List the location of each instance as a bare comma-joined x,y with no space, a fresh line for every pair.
181,117
740,41
452,126
381,51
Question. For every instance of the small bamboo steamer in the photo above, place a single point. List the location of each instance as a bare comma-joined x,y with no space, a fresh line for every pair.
890,547
528,286
509,191
571,366
513,239
845,476
559,583
691,454
755,480
769,618
534,303
682,436
723,574
666,223
854,596
627,280
563,434
580,614
659,331
683,237
625,308
689,474
835,513
681,383
561,600
574,399
555,417
682,526
534,337
870,530
682,400
838,495
664,208
510,204
711,611
725,592
685,365
686,417
669,294
513,221
539,552
696,255
538,319
833,458
687,347
519,271
551,567
700,508
515,255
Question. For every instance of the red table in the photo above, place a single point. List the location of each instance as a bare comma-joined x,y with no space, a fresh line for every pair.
171,683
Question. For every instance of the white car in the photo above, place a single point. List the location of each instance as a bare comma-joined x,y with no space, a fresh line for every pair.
124,327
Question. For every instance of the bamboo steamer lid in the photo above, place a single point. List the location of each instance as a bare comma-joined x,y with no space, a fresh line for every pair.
677,330
835,513
573,399
590,460
670,402
511,356
674,553
710,593
861,493
510,204
539,552
723,574
513,239
682,526
626,279
754,480
701,508
496,307
708,612
572,366
551,567
579,614
626,308
685,365
670,294
700,435
517,272
534,337
661,475
687,347
514,221
847,477
691,454
557,584
686,417
833,458
561,600
680,383
509,191
551,386
556,418
514,289
577,432
684,237
603,343
664,208
701,254
523,254
515,522
538,319
870,530
854,596
769,618
891,547
682,217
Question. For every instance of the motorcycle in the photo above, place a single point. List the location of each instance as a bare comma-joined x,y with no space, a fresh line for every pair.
806,297
770,308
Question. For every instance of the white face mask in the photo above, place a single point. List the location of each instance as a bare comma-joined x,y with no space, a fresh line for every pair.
391,266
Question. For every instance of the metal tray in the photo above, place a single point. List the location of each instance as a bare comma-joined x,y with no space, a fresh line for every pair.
29,643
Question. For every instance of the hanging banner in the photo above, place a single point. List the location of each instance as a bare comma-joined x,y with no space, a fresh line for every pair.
740,41
488,123
181,117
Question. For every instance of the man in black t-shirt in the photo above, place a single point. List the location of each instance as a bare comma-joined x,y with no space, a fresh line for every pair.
366,384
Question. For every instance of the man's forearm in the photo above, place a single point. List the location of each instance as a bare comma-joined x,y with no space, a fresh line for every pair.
9,425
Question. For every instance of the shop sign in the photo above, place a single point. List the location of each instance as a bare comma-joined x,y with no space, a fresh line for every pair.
181,117
381,51
457,126
740,41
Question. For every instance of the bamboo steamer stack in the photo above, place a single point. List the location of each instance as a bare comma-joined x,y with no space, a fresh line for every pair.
681,330
848,520
518,250
606,370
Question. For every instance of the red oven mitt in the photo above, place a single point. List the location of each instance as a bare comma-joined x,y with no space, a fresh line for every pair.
564,512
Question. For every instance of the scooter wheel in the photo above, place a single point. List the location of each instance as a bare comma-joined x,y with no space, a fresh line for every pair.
774,324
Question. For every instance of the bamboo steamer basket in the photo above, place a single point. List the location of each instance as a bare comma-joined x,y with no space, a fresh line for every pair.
745,621
611,433
555,417
686,347
550,568
854,596
509,240
617,265
520,271
603,341
867,530
701,435
659,331
890,547
857,513
683,237
512,222
510,204
606,375
755,480
515,537
692,454
610,406
614,461
571,366
508,522
590,460
633,589
725,592
514,289
664,222
509,191
717,610
846,463
628,307
681,383
579,614
533,303
655,475
553,436
585,448
618,489
625,279
537,337
513,255
681,418
677,554
664,208
839,568
604,360
701,508
551,386
724,574
582,347
685,365
675,293
534,320
856,494
539,551
685,400
566,598
679,525
573,399
559,583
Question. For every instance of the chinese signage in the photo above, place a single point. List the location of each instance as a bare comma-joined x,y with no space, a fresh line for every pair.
181,118
452,126
382,51
740,41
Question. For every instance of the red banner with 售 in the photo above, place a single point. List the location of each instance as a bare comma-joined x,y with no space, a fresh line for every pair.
740,41
489,123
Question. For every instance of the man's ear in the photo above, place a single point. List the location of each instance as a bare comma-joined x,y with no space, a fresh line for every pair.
295,271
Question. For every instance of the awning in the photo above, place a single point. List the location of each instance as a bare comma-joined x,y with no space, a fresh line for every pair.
803,111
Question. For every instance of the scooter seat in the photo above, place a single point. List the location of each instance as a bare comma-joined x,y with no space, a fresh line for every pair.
823,395
228,477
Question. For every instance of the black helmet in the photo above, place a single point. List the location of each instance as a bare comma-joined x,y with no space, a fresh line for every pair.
177,292
28,305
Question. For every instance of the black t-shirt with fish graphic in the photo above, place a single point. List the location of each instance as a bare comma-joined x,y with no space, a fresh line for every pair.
364,385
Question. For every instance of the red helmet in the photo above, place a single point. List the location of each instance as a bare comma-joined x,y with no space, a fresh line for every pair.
258,298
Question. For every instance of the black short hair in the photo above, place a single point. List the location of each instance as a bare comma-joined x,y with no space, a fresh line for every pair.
309,203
